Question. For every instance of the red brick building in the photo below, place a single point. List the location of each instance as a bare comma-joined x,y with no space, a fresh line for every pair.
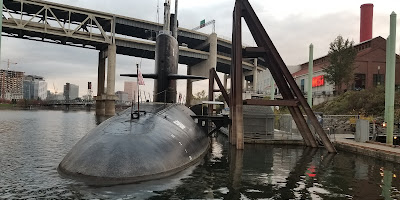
370,68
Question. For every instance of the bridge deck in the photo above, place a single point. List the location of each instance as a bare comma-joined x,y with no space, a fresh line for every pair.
69,25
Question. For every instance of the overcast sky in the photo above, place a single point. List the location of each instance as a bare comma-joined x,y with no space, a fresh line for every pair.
292,26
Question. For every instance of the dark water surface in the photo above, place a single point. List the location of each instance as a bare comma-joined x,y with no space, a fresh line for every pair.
32,144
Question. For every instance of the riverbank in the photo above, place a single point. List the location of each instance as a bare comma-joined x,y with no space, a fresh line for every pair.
55,107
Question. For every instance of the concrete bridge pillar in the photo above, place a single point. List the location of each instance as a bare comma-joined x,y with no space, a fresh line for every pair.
226,82
110,93
255,78
203,68
101,75
189,89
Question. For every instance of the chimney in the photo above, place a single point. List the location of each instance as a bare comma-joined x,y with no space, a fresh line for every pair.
366,20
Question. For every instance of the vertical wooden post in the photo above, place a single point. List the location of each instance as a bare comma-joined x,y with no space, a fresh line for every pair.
237,76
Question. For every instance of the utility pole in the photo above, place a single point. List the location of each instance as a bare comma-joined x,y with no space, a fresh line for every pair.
310,75
386,77
389,102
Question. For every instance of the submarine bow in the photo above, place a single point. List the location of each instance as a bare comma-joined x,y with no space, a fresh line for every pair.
122,150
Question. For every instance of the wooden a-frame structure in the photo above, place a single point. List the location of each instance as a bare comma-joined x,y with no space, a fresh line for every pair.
293,97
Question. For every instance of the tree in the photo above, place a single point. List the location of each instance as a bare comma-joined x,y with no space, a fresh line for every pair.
341,68
200,96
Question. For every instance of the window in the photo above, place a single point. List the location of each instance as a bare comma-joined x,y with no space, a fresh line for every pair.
302,85
359,82
379,79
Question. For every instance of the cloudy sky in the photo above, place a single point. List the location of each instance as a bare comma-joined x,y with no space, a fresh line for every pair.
292,26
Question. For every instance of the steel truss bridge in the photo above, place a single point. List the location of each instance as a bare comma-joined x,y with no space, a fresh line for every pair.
68,25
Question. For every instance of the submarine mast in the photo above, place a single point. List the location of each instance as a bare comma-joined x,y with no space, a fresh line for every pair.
167,15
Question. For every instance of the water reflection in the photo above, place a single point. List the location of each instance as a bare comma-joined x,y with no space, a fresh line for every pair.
235,172
32,143
282,172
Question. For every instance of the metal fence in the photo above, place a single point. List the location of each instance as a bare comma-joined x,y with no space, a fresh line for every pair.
332,124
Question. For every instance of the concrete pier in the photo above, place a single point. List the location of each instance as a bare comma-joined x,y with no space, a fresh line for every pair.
203,68
101,75
255,78
110,94
226,81
189,89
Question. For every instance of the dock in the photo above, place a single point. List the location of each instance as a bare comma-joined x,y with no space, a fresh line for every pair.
343,142
346,142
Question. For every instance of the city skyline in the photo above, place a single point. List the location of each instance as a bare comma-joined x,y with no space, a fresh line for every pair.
292,28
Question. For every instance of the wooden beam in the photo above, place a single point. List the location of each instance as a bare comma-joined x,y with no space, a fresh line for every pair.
262,102
221,87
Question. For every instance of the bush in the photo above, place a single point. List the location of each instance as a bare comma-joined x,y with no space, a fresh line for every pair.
370,102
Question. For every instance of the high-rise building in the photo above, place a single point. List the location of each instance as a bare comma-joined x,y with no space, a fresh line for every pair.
35,87
71,91
11,84
130,88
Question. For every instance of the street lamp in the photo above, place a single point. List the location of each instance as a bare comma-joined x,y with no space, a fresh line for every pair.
379,77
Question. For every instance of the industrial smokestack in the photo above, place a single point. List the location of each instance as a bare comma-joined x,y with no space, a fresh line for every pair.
366,20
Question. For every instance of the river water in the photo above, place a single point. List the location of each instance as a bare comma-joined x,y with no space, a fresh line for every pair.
32,144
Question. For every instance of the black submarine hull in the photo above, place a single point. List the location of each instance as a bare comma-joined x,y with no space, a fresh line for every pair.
121,150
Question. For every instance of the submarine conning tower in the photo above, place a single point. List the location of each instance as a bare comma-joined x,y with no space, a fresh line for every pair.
166,60
166,57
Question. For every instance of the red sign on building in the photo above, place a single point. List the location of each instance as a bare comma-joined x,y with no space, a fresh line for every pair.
318,81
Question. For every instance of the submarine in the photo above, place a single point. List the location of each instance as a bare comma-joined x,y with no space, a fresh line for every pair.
159,140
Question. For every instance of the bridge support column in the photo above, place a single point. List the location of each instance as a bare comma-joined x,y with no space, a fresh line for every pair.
110,94
101,75
189,89
203,68
255,78
226,81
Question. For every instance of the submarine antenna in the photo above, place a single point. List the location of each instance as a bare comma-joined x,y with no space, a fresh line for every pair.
175,28
158,11
167,15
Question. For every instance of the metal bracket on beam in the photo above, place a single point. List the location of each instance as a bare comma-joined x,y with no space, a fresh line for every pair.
253,52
